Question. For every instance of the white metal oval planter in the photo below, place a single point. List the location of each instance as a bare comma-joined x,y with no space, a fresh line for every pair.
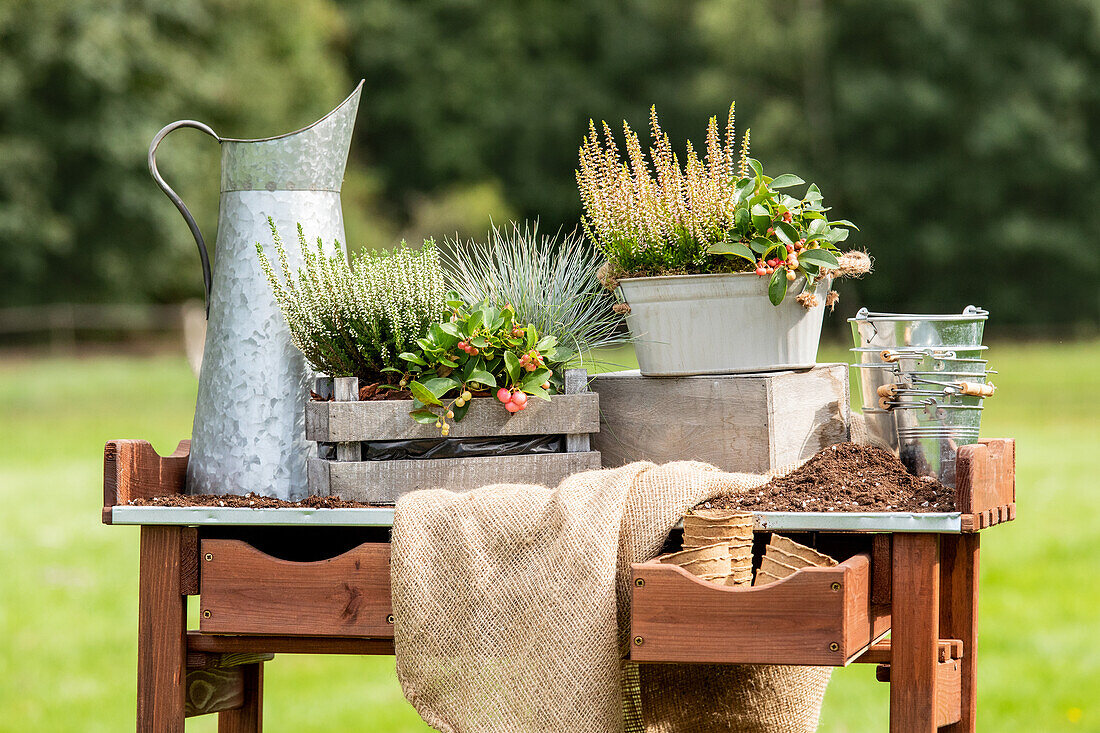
719,324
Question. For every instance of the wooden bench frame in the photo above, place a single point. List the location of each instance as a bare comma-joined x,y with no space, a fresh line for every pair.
929,581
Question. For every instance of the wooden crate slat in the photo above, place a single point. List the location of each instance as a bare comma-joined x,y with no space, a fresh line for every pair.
802,619
382,481
747,422
334,422
245,591
132,469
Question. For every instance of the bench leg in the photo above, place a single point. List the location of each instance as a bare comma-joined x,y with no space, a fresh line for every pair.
959,617
162,633
249,717
915,634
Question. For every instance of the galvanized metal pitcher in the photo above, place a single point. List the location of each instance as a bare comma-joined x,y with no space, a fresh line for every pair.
249,430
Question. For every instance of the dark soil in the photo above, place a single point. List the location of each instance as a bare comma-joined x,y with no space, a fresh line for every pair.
250,501
845,478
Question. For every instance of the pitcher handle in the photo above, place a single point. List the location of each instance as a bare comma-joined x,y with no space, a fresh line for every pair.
175,199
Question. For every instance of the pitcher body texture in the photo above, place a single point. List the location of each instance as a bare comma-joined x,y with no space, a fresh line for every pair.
249,428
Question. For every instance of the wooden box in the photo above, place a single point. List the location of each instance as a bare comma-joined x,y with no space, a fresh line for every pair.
819,616
743,422
345,425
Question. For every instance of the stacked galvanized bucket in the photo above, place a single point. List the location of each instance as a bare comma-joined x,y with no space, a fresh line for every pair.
923,379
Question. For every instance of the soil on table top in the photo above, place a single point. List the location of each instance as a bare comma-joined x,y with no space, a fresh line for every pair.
248,501
845,478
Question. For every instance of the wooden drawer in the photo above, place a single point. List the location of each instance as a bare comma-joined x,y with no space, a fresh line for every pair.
245,591
819,616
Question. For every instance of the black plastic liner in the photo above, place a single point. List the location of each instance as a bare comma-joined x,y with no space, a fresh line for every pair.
426,448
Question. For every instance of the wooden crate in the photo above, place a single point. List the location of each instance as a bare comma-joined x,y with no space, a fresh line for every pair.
819,616
743,422
346,423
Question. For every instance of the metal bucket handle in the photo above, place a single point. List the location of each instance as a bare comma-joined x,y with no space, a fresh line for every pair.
175,199
970,311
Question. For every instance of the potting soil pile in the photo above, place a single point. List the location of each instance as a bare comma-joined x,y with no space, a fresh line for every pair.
511,611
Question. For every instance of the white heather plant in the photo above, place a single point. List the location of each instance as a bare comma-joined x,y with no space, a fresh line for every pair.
546,279
355,319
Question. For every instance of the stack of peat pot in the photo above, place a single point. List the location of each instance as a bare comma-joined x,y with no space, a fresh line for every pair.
923,379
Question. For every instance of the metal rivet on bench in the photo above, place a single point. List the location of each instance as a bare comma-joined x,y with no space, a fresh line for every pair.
638,641
209,556
835,586
640,582
206,613
389,619
834,647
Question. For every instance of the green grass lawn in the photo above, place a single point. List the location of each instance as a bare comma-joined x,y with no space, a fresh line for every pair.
68,589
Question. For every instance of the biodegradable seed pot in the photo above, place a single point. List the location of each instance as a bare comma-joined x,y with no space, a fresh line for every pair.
719,324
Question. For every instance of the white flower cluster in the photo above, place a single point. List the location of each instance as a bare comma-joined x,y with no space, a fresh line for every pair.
664,215
355,319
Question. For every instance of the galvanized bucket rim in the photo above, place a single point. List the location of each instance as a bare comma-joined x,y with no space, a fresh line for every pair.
970,313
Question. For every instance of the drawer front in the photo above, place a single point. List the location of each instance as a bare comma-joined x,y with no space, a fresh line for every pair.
245,591
818,616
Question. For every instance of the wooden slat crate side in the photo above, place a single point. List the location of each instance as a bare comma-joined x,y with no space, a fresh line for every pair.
748,422
332,422
245,591
813,407
676,617
132,469
384,481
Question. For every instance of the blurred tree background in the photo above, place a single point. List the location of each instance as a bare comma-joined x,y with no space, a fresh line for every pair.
961,137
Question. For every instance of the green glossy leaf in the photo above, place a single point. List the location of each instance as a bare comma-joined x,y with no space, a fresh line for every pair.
473,322
821,257
480,342
451,329
447,362
786,180
424,416
532,337
440,386
732,248
426,344
413,358
743,188
785,233
511,364
813,193
760,245
546,342
761,218
538,392
843,223
816,226
741,220
482,377
420,392
535,378
837,235
391,369
777,287
757,168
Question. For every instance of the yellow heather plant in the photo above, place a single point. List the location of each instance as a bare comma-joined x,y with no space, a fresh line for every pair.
657,217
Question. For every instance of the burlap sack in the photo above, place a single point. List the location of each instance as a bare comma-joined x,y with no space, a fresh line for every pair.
511,610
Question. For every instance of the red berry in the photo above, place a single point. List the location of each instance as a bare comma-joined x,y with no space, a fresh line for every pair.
761,271
462,345
519,398
771,231
512,407
473,351
504,395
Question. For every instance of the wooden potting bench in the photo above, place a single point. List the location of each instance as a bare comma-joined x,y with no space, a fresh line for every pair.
290,581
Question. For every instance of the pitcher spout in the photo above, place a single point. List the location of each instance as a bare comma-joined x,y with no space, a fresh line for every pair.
310,159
